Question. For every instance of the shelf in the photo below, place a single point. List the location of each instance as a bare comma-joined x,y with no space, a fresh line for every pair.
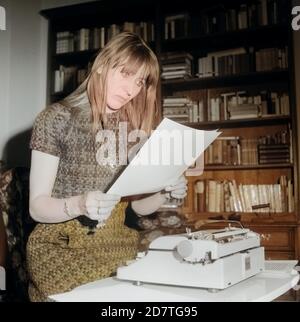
247,167
79,53
81,57
272,120
222,40
103,11
225,81
76,57
246,217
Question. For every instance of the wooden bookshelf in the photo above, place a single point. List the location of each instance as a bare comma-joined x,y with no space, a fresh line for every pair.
246,167
268,32
251,122
214,82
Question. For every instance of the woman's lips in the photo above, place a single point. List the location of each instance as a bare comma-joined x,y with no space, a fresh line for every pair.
111,108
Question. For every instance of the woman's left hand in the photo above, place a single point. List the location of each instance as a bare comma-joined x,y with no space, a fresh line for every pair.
178,189
149,205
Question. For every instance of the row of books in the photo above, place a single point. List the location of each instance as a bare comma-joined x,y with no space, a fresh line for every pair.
240,61
180,109
96,38
228,62
176,65
248,15
66,79
241,105
179,114
224,151
216,19
236,150
177,26
227,106
271,58
282,137
228,196
277,153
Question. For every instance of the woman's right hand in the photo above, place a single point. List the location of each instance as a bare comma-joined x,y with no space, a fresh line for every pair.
97,205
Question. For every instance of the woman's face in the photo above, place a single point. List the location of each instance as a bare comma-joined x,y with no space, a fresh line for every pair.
122,86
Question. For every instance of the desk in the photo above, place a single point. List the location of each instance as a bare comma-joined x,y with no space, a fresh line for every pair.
278,278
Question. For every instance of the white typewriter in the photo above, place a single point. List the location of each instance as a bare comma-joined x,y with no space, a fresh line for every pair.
212,259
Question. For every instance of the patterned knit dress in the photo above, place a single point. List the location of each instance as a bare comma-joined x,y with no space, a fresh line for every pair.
65,255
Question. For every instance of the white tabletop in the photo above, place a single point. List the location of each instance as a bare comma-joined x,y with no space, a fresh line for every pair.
266,286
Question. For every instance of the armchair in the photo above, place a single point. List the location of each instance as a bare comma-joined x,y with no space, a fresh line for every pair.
15,227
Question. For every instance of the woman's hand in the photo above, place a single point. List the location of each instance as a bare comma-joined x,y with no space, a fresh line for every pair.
149,205
98,205
178,189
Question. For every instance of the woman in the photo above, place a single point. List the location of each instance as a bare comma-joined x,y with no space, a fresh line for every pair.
81,234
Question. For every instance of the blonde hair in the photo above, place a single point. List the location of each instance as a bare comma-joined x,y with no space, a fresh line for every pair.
130,50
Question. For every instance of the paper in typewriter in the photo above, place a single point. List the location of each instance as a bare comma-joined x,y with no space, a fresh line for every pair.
170,150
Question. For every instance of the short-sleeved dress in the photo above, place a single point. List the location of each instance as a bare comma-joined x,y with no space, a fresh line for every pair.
64,255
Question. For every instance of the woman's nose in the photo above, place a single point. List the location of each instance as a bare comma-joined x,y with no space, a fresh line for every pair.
129,87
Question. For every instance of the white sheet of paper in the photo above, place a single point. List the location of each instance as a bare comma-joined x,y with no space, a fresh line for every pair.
170,150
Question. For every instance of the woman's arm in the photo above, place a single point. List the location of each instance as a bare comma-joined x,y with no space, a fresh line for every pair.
149,205
42,207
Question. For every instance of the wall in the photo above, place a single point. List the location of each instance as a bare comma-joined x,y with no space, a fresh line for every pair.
23,74
21,79
4,76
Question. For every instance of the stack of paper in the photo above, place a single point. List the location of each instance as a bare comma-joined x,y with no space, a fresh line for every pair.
165,156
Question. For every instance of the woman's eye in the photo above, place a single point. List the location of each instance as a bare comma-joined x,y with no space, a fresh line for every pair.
140,82
125,74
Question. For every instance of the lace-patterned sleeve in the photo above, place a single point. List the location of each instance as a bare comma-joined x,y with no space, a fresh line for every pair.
48,130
